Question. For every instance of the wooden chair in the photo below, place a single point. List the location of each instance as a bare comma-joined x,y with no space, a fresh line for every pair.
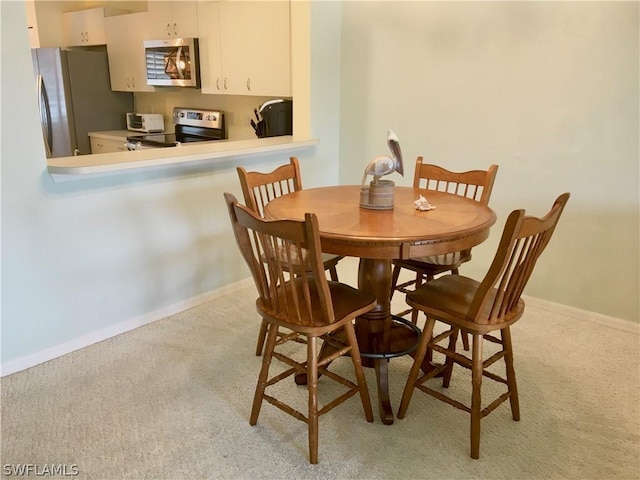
480,308
259,189
474,184
286,264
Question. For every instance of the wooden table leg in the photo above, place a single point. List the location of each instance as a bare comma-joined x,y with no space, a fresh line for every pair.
384,402
373,329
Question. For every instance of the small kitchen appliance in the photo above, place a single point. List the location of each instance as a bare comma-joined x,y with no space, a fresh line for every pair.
145,122
275,118
191,125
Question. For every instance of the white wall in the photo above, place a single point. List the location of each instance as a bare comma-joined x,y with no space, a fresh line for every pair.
546,90
86,257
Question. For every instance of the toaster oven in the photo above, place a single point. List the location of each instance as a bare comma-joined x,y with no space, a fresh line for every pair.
145,122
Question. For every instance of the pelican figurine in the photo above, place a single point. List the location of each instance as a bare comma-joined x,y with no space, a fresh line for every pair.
383,164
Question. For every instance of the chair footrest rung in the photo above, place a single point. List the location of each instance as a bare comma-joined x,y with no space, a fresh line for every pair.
493,359
495,404
286,408
459,359
337,401
339,378
404,312
334,355
444,398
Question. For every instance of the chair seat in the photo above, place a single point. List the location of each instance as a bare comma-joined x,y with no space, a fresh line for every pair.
348,303
449,298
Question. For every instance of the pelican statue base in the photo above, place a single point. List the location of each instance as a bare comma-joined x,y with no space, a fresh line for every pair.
378,195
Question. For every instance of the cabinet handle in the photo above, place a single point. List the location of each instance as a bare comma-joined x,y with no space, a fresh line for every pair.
168,29
248,83
133,82
224,84
218,83
175,29
128,82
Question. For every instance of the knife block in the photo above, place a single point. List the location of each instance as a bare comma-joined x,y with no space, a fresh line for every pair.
377,196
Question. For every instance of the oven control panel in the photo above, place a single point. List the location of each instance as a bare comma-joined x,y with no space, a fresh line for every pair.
198,118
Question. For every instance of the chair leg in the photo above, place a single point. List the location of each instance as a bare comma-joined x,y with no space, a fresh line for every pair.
394,279
312,386
333,273
414,312
465,341
465,335
264,372
425,338
476,399
446,377
511,374
357,365
262,334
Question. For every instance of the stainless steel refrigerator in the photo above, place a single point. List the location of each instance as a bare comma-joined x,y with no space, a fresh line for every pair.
75,97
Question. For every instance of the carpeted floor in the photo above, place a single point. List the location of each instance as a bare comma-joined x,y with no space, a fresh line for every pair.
171,400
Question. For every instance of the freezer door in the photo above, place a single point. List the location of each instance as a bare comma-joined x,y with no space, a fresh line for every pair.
95,107
54,102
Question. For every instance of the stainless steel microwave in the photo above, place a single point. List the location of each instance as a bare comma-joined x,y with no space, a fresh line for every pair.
172,62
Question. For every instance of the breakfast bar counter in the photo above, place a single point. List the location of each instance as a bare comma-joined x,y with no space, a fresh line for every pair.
74,168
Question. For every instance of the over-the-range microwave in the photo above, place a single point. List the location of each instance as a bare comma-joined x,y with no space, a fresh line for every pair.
172,62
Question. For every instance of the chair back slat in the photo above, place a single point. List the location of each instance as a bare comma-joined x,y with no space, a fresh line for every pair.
474,184
523,240
285,260
260,188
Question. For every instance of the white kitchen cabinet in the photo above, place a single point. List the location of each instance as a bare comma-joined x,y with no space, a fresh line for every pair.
125,35
109,141
173,19
249,51
44,24
86,27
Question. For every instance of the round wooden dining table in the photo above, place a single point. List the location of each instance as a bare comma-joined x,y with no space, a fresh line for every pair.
377,237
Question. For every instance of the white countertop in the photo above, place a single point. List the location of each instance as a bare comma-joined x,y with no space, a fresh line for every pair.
113,134
75,168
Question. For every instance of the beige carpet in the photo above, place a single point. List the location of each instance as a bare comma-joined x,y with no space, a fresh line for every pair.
171,400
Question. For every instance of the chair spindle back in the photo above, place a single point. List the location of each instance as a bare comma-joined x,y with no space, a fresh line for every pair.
285,261
260,188
474,184
523,240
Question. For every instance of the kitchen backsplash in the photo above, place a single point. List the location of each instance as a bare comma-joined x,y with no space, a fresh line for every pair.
238,109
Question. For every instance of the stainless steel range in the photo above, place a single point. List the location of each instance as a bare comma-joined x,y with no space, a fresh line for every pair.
191,125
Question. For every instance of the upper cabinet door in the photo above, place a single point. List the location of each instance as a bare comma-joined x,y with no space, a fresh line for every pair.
173,19
254,41
211,80
125,47
86,27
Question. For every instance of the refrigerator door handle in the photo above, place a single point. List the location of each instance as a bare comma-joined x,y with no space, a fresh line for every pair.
45,116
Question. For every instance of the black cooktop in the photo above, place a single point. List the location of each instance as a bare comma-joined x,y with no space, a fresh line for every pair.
155,139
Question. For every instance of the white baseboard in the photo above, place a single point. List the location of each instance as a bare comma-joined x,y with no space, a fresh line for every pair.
47,354
584,315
